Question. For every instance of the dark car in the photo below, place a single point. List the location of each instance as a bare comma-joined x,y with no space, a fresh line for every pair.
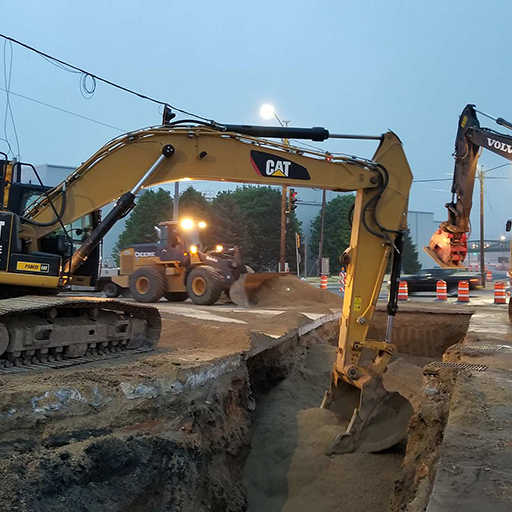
426,280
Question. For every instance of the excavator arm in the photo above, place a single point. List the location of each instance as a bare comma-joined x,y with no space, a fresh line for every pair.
448,245
173,152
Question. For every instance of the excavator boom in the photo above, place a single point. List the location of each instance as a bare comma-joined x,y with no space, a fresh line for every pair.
448,245
378,419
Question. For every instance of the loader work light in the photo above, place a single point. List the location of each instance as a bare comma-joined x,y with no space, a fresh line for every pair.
187,224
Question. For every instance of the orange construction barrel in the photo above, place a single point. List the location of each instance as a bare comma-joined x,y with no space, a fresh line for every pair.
500,296
463,292
403,291
489,276
323,282
441,290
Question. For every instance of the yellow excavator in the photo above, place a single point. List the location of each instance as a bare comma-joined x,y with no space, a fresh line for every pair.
38,250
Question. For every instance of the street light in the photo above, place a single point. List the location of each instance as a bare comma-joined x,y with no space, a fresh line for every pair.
267,111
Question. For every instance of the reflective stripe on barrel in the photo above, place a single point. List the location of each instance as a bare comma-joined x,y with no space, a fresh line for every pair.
500,295
463,292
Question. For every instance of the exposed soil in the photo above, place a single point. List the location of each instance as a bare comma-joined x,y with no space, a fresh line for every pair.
425,334
137,443
290,291
287,469
426,431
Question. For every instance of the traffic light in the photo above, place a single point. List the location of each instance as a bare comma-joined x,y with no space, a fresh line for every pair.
292,199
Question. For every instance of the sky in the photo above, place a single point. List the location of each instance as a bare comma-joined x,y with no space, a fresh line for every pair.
351,66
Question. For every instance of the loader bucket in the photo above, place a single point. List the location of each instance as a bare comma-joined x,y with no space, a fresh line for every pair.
244,292
378,419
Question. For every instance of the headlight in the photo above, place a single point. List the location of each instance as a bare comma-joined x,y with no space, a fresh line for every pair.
201,224
219,248
193,249
187,224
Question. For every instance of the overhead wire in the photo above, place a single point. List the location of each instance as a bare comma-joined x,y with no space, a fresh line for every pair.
104,80
65,111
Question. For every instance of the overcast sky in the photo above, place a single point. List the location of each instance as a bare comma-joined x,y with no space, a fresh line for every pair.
360,66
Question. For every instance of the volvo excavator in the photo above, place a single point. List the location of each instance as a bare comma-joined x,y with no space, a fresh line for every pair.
448,246
37,252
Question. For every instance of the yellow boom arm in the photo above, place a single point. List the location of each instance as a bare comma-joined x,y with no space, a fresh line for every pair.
200,153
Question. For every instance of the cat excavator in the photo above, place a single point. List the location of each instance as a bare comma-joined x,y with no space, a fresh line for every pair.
39,252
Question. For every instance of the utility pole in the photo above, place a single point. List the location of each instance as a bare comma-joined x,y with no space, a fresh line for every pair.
321,246
306,256
283,230
176,201
482,253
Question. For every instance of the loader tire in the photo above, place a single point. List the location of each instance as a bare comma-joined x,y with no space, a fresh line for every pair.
111,290
204,285
176,296
147,285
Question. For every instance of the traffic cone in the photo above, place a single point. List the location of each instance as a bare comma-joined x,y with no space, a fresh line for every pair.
470,268
500,296
323,282
463,292
403,291
489,276
343,279
441,291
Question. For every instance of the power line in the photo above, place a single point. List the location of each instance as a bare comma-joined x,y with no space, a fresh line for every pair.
64,110
104,80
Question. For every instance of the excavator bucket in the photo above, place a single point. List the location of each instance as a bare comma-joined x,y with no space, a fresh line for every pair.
247,288
378,419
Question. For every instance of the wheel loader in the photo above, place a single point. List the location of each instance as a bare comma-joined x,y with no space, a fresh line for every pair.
175,267
38,250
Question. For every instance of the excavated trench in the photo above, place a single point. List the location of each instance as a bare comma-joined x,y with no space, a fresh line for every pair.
243,434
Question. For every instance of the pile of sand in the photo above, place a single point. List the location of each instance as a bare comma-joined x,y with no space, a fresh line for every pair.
287,469
289,290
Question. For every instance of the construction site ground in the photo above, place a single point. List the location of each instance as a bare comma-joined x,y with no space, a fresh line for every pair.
224,415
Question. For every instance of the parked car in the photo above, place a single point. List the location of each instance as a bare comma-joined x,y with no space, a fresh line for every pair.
426,280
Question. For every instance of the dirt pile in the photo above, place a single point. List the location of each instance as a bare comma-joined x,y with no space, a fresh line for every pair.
287,469
288,290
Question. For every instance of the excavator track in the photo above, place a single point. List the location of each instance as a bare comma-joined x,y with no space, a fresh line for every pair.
54,332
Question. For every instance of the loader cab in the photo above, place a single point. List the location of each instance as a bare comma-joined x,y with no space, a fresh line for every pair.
175,243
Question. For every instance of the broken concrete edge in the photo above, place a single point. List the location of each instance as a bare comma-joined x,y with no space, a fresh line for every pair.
300,331
89,397
475,453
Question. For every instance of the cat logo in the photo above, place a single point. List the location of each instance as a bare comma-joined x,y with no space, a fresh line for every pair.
26,266
277,168
271,166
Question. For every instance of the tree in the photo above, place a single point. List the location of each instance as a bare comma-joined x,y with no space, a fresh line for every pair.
336,230
194,205
227,222
410,261
153,206
262,223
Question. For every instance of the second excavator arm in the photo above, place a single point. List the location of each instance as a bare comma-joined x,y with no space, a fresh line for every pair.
448,246
382,183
